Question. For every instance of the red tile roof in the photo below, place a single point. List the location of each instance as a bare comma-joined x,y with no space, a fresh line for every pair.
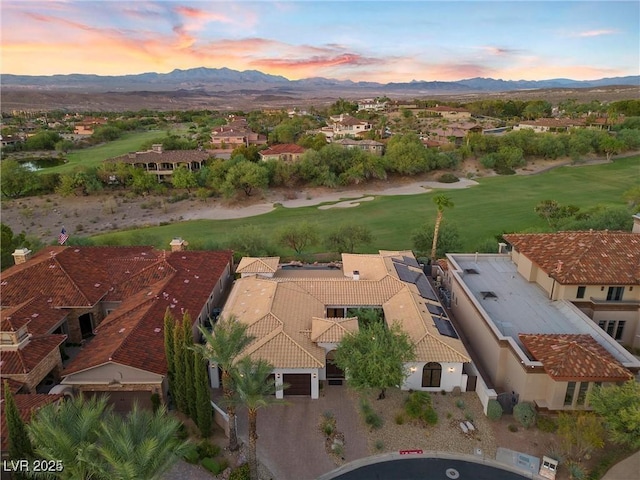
579,258
40,316
166,156
27,405
133,335
574,357
283,148
22,361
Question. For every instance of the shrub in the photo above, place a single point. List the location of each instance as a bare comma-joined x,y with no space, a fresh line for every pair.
379,445
327,415
494,410
373,420
417,403
576,471
513,428
155,401
215,466
364,406
547,424
399,418
448,178
241,473
468,416
328,428
525,413
430,416
191,456
460,404
182,433
208,449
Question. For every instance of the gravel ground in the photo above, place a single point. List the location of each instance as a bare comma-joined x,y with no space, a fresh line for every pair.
445,436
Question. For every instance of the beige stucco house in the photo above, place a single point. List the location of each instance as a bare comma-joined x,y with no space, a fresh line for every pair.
530,338
298,315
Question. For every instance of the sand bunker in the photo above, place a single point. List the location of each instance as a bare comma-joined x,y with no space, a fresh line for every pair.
346,204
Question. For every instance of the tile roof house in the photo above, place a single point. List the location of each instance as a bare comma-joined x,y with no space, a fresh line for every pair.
596,271
287,152
344,125
370,146
162,163
112,300
532,339
298,316
236,133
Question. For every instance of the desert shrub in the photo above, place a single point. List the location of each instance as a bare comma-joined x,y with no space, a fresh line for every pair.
468,416
399,418
525,413
240,473
178,197
337,449
373,420
547,424
418,406
513,428
379,445
448,178
494,410
215,466
576,471
182,433
327,414
191,456
207,449
328,427
460,404
430,416
364,406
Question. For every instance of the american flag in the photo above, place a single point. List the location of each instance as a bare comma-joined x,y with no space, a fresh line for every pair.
63,236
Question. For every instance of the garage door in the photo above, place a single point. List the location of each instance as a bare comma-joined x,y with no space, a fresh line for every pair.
123,401
299,383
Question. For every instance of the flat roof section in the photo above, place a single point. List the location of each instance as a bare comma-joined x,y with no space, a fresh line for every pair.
516,306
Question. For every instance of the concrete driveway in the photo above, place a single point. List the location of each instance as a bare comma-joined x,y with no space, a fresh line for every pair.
290,444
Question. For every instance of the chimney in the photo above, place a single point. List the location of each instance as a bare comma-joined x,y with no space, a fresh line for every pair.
156,147
356,274
636,223
502,247
21,255
178,244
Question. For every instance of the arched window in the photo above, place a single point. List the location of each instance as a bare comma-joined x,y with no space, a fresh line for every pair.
431,374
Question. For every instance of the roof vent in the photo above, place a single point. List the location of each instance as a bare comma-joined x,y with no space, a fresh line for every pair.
21,255
356,274
488,294
471,271
178,244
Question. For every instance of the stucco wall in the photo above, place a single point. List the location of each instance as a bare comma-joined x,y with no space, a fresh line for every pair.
110,372
448,381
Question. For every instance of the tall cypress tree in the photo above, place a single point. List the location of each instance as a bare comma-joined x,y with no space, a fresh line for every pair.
189,379
19,444
204,414
169,326
179,368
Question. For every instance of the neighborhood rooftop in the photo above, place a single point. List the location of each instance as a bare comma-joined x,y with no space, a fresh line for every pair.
516,306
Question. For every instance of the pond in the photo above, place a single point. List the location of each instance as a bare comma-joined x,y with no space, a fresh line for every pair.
35,164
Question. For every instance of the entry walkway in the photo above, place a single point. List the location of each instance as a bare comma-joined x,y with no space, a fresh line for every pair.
290,444
625,470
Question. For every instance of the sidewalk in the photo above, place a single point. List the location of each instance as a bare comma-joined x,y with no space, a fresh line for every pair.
628,469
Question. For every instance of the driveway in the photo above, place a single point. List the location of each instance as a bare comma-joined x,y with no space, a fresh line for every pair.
290,444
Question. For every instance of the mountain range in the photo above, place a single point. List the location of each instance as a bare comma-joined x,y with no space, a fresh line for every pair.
213,80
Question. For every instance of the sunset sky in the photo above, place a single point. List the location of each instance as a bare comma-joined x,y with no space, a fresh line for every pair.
383,41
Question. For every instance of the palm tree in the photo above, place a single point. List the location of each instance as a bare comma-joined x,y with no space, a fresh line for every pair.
69,432
254,390
442,202
143,445
228,339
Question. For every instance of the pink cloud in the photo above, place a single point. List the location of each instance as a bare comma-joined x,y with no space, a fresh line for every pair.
595,33
198,14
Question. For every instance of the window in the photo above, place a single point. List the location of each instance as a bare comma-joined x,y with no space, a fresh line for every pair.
576,395
581,291
614,294
431,374
615,328
568,397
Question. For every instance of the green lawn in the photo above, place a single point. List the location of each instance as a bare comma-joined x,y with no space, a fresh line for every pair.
497,204
94,156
